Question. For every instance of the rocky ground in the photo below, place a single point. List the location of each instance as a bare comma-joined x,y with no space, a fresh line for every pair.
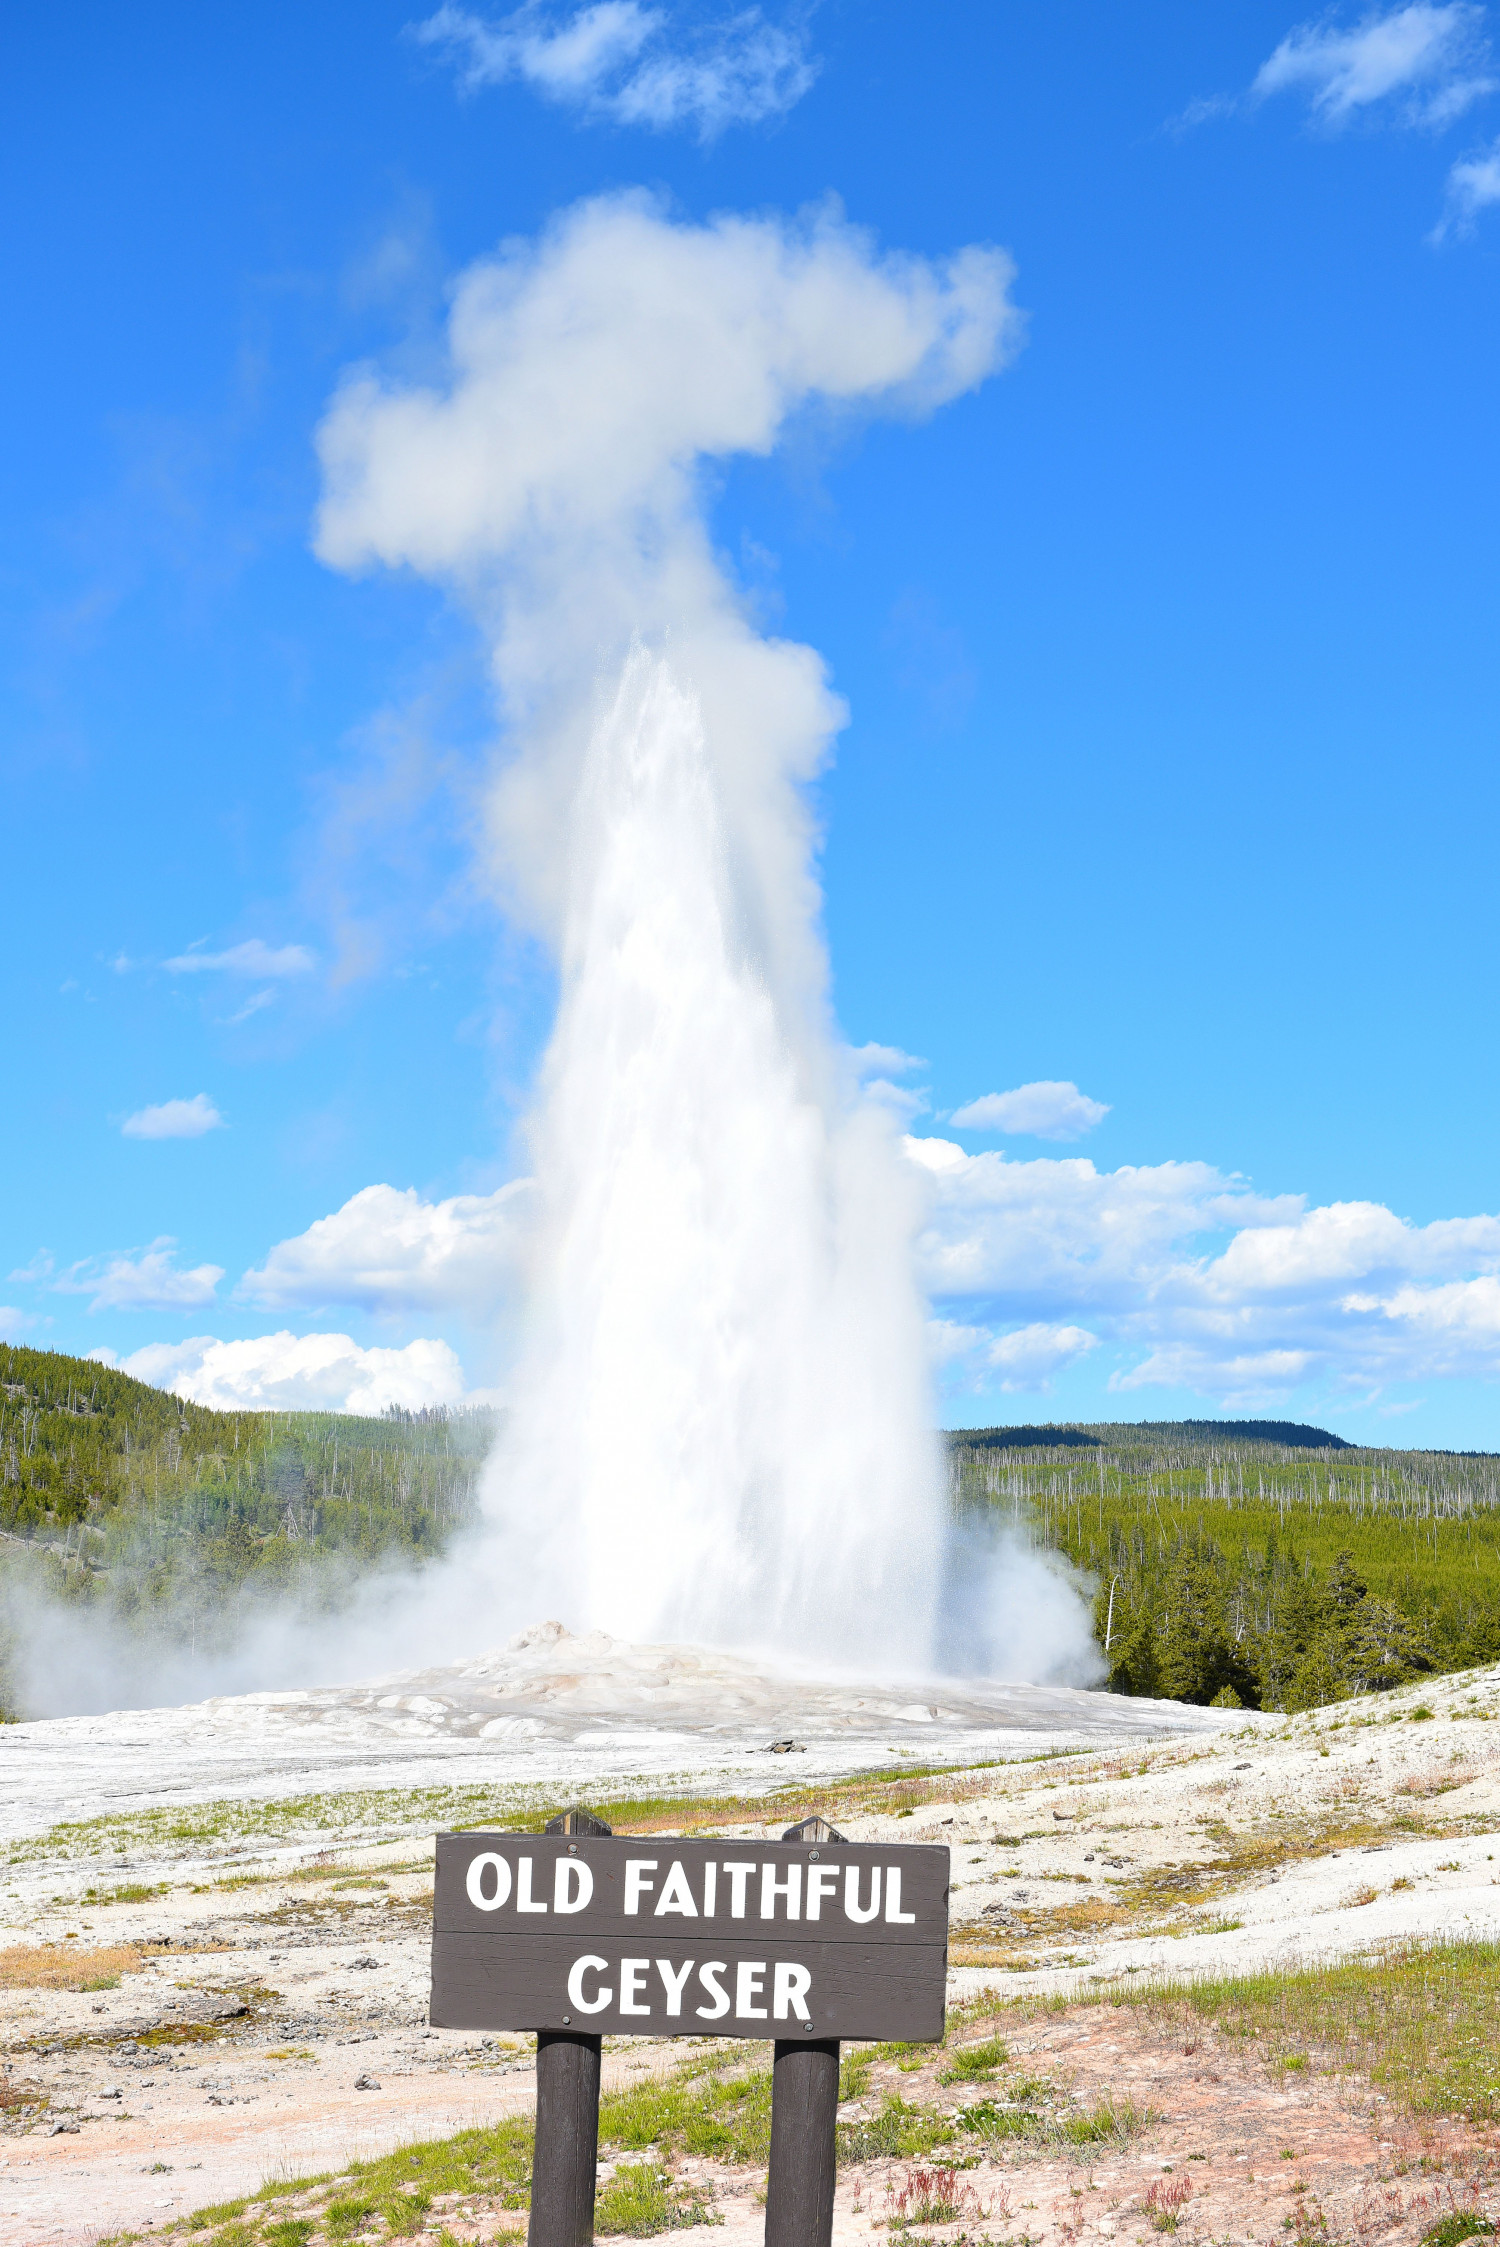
257,2007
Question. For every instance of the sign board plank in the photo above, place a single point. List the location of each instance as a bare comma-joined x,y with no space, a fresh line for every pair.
661,1937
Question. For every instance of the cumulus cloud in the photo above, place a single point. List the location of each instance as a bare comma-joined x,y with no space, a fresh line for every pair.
1028,1358
1044,1110
1473,185
174,1119
883,1061
389,1250
1198,1281
1053,1235
1432,62
299,1373
148,1279
252,959
621,62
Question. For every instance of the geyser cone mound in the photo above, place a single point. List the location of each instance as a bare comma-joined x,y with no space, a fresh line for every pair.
551,1714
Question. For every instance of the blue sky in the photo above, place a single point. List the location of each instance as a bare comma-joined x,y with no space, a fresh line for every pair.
1170,655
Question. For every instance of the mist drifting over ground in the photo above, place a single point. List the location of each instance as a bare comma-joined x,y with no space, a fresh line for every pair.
721,1427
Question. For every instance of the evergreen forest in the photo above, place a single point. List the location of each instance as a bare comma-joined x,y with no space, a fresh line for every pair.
1254,1564
177,1523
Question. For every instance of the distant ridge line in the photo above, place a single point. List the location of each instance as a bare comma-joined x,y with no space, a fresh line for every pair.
1295,1435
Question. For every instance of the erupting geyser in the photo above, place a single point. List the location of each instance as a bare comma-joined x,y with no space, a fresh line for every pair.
721,1427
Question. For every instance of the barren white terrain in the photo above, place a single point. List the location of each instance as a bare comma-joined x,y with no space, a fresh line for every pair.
254,1879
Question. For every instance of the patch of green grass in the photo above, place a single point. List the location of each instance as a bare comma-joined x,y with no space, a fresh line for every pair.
345,2216
854,2072
222,2212
899,2131
190,2032
726,2117
642,2199
291,2231
405,2211
975,2063
1108,2122
1415,2018
1464,2223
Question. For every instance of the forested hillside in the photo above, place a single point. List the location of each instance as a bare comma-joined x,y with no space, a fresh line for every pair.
1277,1572
170,1517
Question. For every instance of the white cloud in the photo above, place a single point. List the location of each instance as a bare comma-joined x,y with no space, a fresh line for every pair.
1044,1110
1433,59
883,1061
1030,1356
300,1373
1052,1234
1027,1358
174,1119
147,1280
1197,1281
1473,185
11,1320
619,61
252,958
252,1005
388,1250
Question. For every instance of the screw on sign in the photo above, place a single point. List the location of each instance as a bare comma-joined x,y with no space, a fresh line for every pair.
577,1932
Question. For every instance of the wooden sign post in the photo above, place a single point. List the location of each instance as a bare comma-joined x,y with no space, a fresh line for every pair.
577,1933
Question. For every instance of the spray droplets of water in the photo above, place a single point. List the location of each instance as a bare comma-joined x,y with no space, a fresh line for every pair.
721,1425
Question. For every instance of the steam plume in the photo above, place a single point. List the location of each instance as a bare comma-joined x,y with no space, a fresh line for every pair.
722,1429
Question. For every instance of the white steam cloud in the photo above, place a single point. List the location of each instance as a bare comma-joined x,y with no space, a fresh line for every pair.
722,1428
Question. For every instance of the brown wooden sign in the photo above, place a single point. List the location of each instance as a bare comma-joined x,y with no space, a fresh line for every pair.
653,1936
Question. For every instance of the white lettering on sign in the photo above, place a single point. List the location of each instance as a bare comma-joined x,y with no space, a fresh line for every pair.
636,1869
822,1880
708,1975
573,1886
771,1888
474,1881
749,1982
676,1896
893,1912
525,1902
710,1887
852,1906
790,1985
581,1966
789,1988
739,1874
673,1982
633,1972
